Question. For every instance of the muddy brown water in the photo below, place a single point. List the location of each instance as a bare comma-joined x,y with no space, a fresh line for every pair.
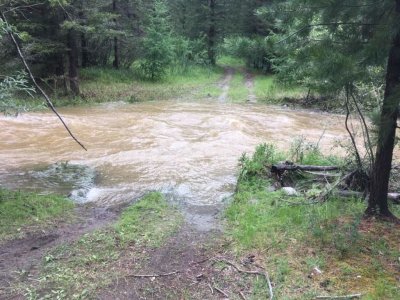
187,150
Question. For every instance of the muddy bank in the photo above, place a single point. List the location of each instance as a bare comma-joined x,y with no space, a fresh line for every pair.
21,259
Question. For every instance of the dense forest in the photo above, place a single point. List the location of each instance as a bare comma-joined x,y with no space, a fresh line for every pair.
341,55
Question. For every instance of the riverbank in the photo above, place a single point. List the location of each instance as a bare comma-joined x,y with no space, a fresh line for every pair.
270,242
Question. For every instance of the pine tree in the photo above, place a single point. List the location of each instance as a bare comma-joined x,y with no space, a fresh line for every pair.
332,47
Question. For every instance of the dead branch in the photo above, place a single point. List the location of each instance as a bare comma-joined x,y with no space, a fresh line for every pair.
211,288
395,197
242,295
262,273
355,296
353,141
322,197
48,101
289,166
221,291
153,275
367,137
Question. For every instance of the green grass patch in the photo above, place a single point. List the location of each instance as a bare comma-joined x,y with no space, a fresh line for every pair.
77,270
267,89
238,91
231,61
21,212
105,85
292,237
149,221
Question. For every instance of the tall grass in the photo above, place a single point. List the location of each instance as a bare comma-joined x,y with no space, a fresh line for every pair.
269,90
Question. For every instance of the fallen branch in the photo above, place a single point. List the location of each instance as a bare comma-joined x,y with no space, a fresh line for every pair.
263,273
221,291
288,166
340,297
322,196
242,295
395,197
154,275
48,101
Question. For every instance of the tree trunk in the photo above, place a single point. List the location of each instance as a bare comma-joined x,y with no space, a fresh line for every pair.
73,62
380,174
211,34
84,51
60,81
116,54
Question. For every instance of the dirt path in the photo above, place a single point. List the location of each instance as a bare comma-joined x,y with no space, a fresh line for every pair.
26,254
191,265
252,98
225,84
184,253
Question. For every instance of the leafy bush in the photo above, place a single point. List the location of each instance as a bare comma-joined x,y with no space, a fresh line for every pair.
264,155
9,86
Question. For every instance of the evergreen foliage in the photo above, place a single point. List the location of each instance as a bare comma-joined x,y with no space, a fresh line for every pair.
157,45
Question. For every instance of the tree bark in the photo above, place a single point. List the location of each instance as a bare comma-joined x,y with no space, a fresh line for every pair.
73,63
211,34
380,174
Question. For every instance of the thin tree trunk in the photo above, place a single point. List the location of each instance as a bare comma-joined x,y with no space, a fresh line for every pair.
380,174
211,34
73,63
116,54
84,51
60,74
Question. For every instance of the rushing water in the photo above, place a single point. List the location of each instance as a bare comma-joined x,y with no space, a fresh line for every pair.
187,150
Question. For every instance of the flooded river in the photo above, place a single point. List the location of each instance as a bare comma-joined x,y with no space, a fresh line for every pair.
187,150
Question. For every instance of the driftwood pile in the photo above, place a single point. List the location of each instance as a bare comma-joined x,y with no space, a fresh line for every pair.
335,182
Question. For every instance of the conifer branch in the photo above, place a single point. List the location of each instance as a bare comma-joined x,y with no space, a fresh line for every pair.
48,101
325,7
327,24
22,7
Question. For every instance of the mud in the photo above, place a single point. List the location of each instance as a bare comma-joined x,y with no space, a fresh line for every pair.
25,256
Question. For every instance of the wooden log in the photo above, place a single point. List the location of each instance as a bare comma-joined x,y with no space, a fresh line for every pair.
287,166
395,197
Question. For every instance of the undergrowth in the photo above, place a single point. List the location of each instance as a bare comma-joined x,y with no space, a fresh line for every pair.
311,249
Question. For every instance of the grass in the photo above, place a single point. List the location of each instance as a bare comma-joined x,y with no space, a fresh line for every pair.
291,240
21,212
230,61
269,90
78,270
238,91
102,85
